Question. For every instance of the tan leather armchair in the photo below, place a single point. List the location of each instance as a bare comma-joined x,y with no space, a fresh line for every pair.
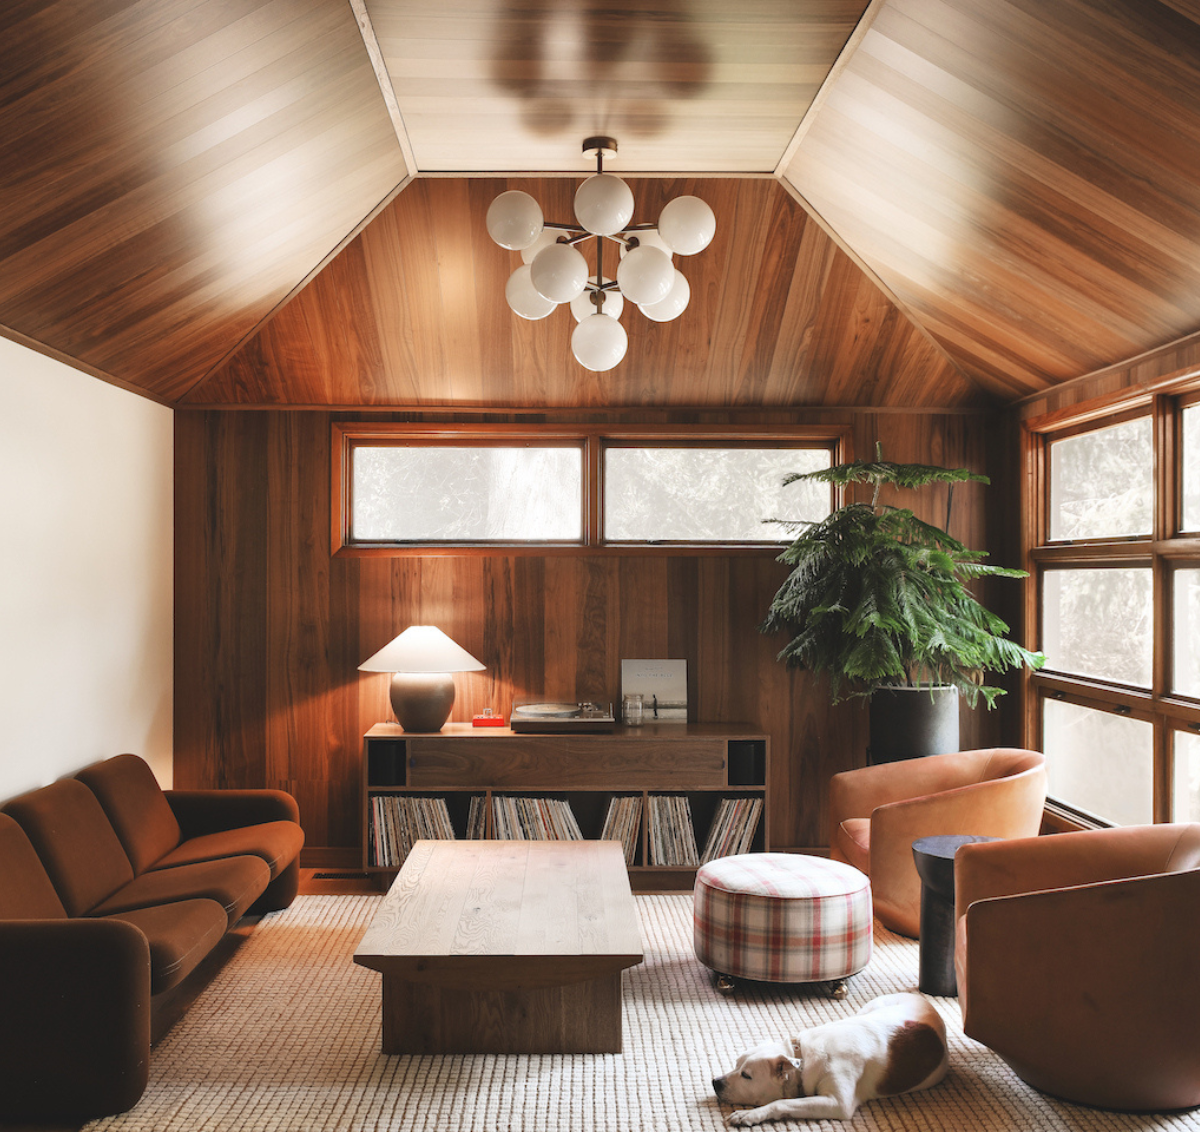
1077,962
877,812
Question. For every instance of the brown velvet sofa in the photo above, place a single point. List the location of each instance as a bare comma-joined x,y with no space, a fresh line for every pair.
112,891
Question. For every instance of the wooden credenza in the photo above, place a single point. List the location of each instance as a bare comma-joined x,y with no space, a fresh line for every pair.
701,762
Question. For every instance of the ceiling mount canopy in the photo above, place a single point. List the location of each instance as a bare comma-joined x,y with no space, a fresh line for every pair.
555,269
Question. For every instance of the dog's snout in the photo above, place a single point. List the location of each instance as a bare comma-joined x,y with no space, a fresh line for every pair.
718,1083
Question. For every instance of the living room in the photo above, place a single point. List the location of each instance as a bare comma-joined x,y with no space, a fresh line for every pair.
959,234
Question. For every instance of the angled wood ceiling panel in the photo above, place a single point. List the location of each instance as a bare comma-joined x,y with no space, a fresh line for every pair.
413,313
1024,176
683,85
170,171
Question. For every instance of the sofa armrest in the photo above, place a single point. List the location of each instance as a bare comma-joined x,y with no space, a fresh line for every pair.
76,1036
210,811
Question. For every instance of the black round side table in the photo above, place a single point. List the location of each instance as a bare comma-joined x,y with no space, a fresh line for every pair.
934,858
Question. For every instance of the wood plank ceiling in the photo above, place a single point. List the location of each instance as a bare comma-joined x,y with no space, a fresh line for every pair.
1007,193
171,170
1024,175
413,313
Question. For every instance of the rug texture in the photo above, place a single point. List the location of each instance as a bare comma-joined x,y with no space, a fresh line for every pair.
287,1037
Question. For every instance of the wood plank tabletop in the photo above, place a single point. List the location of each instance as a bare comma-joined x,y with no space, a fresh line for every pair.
468,910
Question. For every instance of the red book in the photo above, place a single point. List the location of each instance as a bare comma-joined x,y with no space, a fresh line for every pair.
487,721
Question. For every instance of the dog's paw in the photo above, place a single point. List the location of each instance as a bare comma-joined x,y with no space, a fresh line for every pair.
745,1117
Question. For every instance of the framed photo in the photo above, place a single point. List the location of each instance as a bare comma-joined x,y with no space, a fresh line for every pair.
662,684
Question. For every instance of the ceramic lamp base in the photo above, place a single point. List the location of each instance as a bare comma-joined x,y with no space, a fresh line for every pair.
422,701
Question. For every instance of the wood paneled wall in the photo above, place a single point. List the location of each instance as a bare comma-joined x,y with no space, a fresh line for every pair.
270,628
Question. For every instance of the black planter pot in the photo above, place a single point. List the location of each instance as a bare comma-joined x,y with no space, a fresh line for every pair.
909,723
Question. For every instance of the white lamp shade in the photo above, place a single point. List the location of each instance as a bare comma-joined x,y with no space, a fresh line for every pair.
559,273
421,648
582,306
646,275
673,305
514,220
599,342
523,297
549,236
687,225
604,204
646,237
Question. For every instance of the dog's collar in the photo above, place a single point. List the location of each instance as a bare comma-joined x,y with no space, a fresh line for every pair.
798,1061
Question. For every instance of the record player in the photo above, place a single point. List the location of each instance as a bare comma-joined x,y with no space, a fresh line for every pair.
561,717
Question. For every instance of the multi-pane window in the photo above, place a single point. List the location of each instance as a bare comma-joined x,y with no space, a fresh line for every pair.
398,489
698,494
1116,609
478,494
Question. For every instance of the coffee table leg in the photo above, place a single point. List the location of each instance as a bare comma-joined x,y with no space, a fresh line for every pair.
579,1018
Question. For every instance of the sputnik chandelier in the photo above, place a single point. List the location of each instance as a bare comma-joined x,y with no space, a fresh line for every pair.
555,270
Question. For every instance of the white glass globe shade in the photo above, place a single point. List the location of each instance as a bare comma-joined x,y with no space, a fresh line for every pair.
523,298
673,305
646,275
599,342
647,237
559,273
582,306
514,220
604,204
549,236
687,225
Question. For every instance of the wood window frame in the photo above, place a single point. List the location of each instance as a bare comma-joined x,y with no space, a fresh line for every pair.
346,435
1166,548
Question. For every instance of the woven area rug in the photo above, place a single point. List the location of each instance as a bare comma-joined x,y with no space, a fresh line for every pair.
287,1037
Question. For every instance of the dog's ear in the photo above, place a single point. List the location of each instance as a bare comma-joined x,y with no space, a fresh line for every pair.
783,1067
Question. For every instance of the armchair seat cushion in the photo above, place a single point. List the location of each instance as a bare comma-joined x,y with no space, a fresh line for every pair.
278,843
179,934
234,884
853,838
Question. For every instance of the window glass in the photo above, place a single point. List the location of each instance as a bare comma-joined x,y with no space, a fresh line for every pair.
1186,796
1185,635
435,493
1099,762
1102,483
709,494
1190,488
1099,623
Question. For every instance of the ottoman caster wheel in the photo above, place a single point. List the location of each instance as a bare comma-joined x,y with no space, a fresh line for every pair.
837,989
725,984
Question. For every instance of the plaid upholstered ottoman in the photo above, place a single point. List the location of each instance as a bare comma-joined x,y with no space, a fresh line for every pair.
782,918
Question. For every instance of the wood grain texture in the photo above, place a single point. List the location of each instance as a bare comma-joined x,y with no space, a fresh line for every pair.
413,313
270,628
1024,176
170,171
683,85
504,947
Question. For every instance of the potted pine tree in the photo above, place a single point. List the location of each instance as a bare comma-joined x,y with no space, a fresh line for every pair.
877,602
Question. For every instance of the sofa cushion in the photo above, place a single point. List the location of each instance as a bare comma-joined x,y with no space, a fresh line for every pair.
74,841
136,807
180,936
278,843
854,842
26,892
234,883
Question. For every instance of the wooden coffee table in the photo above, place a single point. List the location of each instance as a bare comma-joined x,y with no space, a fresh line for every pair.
505,947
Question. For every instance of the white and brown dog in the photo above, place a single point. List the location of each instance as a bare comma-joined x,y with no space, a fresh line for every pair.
895,1044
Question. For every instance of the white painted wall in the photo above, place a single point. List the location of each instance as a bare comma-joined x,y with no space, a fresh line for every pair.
86,586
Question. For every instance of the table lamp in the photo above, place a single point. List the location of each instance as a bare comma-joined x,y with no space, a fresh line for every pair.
421,661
